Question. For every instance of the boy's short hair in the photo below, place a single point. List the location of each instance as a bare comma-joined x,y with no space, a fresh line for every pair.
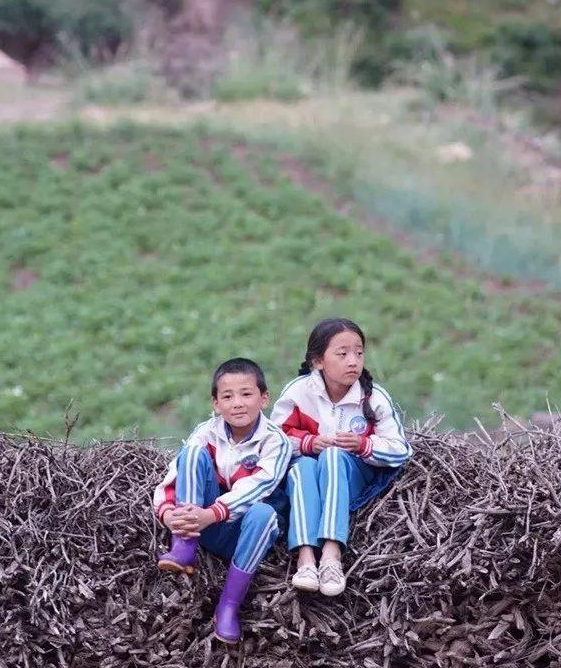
239,365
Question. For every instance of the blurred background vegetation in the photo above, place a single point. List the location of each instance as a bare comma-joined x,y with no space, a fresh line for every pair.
396,161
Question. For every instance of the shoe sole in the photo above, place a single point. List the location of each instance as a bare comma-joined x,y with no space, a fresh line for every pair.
172,567
337,593
312,588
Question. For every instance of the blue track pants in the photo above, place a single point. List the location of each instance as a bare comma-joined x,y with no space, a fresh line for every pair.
321,491
245,540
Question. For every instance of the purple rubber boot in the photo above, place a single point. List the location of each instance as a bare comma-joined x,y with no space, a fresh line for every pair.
182,557
226,620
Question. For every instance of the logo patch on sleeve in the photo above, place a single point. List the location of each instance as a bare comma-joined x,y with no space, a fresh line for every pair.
358,424
250,461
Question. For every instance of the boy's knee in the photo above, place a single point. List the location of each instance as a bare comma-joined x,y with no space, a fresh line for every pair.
195,454
260,513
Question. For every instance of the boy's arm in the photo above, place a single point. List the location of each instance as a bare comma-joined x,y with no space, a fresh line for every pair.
275,455
300,428
164,494
388,446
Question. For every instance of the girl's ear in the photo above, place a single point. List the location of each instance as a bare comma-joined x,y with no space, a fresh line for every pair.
317,364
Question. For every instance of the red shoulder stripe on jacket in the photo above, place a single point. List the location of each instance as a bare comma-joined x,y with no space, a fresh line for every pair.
299,424
242,472
212,452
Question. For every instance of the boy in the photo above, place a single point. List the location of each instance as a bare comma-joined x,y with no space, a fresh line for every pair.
221,490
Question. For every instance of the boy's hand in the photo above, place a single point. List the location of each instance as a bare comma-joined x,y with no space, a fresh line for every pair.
206,518
188,521
322,442
182,521
348,441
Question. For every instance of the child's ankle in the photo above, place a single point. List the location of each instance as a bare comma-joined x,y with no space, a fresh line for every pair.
306,557
331,552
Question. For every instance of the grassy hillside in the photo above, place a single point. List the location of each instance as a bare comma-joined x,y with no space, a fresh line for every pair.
471,21
498,208
135,260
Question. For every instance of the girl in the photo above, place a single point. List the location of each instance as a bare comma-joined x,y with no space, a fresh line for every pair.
350,445
222,490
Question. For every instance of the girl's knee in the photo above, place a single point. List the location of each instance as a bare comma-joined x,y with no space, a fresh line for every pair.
327,456
306,465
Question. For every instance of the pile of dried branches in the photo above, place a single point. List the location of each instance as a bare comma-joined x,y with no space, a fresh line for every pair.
458,564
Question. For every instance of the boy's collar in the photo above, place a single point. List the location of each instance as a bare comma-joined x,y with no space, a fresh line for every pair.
249,437
353,396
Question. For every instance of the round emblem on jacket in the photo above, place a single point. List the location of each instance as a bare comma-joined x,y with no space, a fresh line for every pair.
249,462
358,424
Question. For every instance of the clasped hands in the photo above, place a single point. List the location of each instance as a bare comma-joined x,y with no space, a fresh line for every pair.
188,520
345,440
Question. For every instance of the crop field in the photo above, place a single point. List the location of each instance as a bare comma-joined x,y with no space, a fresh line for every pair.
134,260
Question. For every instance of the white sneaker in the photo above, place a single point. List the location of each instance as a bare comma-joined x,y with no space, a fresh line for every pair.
332,582
306,578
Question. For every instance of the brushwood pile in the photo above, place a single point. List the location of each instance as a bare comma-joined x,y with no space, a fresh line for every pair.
458,564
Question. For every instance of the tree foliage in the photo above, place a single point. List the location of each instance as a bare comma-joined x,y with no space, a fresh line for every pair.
94,29
531,50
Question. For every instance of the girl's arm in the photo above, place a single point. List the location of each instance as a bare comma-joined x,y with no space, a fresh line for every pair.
164,494
299,427
275,455
388,446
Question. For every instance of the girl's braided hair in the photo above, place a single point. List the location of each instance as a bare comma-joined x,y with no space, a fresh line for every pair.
318,342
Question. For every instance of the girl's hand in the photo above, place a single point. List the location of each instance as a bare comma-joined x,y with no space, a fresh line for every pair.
348,441
322,442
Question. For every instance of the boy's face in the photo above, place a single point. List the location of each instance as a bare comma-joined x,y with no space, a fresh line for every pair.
239,400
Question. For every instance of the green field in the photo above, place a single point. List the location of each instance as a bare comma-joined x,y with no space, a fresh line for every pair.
134,260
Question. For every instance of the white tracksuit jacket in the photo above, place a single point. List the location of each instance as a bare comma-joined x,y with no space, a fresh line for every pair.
305,410
248,471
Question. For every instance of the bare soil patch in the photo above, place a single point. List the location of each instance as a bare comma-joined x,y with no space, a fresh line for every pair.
22,279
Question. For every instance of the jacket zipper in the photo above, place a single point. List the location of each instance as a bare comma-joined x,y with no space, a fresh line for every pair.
229,465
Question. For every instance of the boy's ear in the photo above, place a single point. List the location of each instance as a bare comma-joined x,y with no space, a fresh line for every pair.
264,399
215,405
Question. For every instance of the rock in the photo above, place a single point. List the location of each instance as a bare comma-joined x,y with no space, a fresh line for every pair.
195,50
455,152
11,71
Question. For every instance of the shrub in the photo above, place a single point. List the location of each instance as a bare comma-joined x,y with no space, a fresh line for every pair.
246,84
116,84
95,29
532,50
319,17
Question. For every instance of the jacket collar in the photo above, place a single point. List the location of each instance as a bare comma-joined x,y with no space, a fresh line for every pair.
353,396
258,432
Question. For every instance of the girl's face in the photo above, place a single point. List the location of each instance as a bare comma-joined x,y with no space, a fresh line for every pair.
343,359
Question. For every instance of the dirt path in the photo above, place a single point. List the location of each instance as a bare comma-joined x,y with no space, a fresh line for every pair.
24,103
